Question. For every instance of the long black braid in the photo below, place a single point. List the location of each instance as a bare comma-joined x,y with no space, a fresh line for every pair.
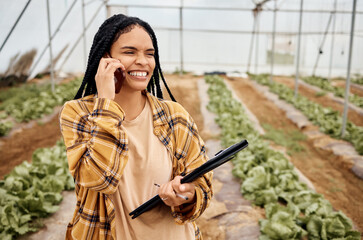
106,35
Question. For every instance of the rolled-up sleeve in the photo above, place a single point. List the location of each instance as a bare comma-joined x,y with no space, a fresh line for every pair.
97,148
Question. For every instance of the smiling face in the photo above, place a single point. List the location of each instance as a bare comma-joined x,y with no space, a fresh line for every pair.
135,50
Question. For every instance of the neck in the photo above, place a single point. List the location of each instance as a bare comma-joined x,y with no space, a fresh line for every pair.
131,102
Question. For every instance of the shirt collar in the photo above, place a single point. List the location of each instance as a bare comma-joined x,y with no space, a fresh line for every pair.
159,114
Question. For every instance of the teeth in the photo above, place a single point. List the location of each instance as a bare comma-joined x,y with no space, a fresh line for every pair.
139,74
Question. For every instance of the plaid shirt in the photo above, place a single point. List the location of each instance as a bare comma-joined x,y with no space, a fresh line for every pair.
97,152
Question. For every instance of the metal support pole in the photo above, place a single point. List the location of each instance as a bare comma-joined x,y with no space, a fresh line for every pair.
257,38
108,10
273,43
251,45
332,41
54,34
181,38
89,2
50,47
16,23
322,44
80,37
347,83
84,35
298,50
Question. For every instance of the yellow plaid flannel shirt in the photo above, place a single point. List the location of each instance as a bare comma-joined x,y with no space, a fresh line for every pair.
97,152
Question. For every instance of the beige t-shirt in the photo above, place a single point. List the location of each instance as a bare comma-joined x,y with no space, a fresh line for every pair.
149,162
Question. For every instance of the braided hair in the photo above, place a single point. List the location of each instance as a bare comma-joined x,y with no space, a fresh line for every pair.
106,35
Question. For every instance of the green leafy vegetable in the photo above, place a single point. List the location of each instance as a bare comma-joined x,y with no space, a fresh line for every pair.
269,179
329,120
5,127
325,84
280,223
33,190
33,101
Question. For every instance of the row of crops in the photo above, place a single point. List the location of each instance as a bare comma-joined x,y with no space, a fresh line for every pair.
33,191
325,85
29,102
329,120
358,80
269,180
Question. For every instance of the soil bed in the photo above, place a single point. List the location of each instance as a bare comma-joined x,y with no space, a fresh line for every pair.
355,90
21,145
325,101
331,177
185,91
23,140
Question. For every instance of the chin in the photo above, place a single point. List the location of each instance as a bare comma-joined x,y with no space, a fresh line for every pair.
140,86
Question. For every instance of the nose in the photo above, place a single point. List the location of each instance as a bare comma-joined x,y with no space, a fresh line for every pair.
141,59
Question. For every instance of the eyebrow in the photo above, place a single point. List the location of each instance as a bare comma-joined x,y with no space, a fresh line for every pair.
133,48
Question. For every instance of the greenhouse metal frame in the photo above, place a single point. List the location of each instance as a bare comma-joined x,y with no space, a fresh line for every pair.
257,11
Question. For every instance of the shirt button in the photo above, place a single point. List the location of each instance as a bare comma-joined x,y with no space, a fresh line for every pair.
156,131
108,174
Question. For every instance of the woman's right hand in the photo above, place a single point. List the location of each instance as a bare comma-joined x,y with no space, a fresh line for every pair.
169,191
105,77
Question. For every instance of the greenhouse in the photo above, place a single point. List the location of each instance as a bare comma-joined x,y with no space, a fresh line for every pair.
277,84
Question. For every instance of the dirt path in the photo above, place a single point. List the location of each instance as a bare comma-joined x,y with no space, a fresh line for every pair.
330,178
21,145
26,137
185,90
355,88
325,101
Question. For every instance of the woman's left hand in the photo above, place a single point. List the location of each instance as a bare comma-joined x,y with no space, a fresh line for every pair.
174,193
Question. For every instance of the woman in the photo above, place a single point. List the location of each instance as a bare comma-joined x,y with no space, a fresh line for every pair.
125,145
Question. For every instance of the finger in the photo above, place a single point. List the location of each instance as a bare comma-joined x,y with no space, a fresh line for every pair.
105,61
163,191
112,66
172,199
186,187
120,65
176,183
182,188
169,191
105,58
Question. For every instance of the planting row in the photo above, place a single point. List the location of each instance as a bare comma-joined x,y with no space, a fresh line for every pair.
325,85
32,102
33,191
358,80
269,179
329,120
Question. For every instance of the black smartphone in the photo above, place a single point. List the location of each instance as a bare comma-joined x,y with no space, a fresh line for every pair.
119,77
